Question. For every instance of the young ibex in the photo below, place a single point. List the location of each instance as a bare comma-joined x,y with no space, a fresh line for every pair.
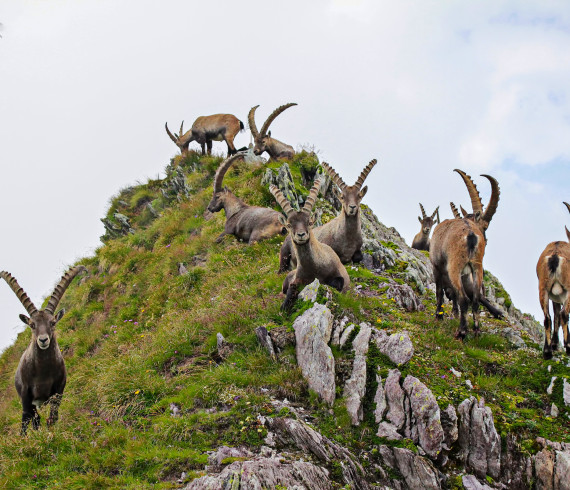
343,234
553,271
41,375
315,260
247,223
264,142
421,240
217,127
456,253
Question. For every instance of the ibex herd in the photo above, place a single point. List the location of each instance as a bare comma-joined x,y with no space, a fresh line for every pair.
456,251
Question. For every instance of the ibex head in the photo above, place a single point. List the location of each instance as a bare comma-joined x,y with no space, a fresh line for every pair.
350,196
261,138
182,140
43,322
217,202
427,222
298,223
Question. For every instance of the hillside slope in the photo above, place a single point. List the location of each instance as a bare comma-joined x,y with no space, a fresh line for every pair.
150,394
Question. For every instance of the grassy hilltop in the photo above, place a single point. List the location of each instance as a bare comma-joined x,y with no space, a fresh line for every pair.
139,338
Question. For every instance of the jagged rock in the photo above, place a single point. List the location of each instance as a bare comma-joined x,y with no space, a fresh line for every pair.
511,335
312,334
291,432
562,471
116,228
388,431
224,347
347,331
355,387
425,419
480,445
551,385
516,468
338,329
404,297
251,158
182,269
265,340
554,412
284,181
449,426
309,292
395,399
544,469
398,346
175,185
175,409
417,472
282,337
566,392
471,483
380,401
216,458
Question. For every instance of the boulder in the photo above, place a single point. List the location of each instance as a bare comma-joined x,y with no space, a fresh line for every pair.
380,401
355,386
265,340
309,292
417,472
471,483
449,426
282,337
346,333
405,297
395,399
397,347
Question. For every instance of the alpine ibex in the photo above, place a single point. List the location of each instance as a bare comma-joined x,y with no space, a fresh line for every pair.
247,223
315,260
553,271
264,142
421,240
41,375
456,253
343,234
217,127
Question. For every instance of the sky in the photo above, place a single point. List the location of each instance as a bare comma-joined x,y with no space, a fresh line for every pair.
423,86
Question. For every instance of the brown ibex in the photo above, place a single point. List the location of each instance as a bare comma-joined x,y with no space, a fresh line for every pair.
217,127
456,253
421,240
41,375
262,139
343,234
247,223
315,260
553,271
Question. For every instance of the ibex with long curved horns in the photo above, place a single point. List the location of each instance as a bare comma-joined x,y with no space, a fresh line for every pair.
262,139
456,253
315,260
41,375
343,234
217,127
247,223
553,271
421,240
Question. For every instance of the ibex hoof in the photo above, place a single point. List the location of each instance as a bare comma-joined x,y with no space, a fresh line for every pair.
568,350
460,335
439,315
547,354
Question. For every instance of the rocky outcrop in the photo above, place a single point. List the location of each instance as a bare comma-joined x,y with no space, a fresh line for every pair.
404,296
355,387
310,292
417,472
265,340
283,179
116,227
449,425
397,347
312,333
471,483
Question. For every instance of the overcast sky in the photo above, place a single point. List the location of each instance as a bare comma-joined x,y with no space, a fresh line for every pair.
423,86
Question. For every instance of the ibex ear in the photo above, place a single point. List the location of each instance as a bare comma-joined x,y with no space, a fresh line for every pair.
269,134
419,219
25,319
477,215
363,191
59,315
282,220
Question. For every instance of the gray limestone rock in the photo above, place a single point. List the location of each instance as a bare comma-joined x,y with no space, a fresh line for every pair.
562,471
309,292
566,393
551,385
312,334
388,431
544,469
398,346
418,472
282,337
380,401
395,399
346,333
471,483
265,340
405,297
284,181
449,426
338,329
223,346
355,386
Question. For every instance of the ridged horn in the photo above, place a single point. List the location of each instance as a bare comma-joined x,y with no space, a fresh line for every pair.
434,213
181,129
222,169
456,214
494,200
251,121
62,286
310,202
170,134
22,296
463,211
281,200
438,220
473,192
333,175
423,211
273,115
365,173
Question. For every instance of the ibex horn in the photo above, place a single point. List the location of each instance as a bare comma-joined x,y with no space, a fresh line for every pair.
463,211
434,213
456,214
251,121
312,197
273,115
494,200
473,192
62,286
22,296
365,173
281,200
170,134
334,176
222,169
423,212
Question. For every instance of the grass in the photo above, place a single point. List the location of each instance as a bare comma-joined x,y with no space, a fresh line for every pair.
138,337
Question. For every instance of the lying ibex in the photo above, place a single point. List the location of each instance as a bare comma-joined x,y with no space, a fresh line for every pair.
456,253
421,240
343,234
247,223
217,127
41,375
264,142
553,271
315,260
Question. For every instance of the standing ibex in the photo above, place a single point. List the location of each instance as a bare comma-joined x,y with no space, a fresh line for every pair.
553,271
456,253
421,240
264,142
41,375
247,223
315,260
343,234
217,127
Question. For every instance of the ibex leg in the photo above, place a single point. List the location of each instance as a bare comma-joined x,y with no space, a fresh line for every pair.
564,321
544,303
